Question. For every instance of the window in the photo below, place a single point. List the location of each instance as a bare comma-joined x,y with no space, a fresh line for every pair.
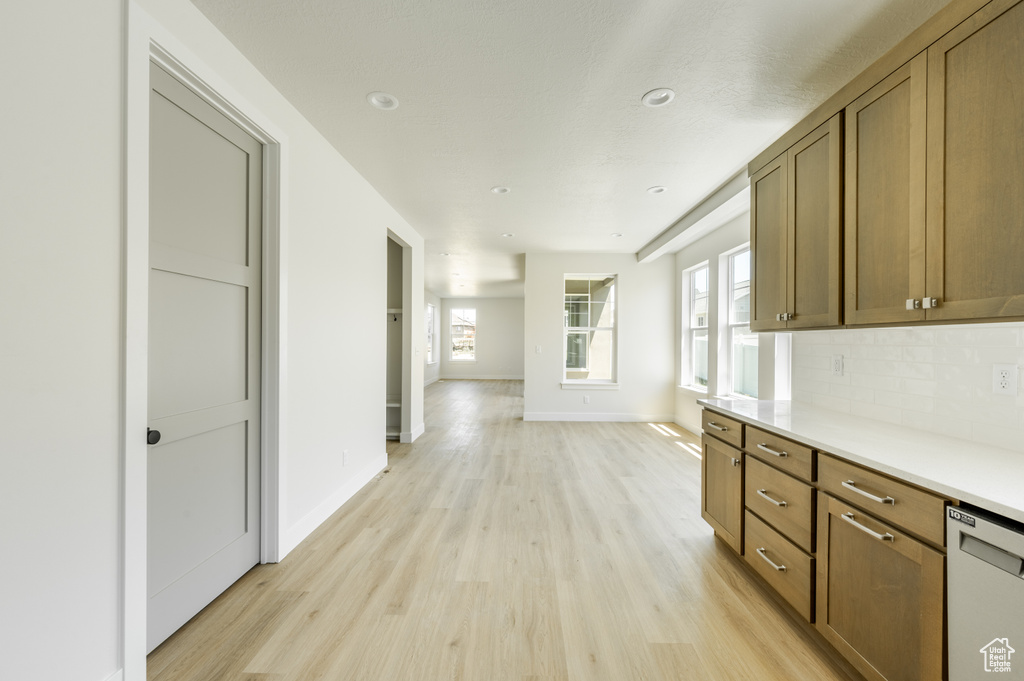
429,323
463,334
742,343
589,327
697,331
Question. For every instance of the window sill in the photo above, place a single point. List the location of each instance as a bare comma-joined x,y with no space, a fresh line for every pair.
589,385
430,364
702,389
463,361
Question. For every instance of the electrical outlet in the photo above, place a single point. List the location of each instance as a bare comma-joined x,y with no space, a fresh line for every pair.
1004,379
586,399
837,365
537,349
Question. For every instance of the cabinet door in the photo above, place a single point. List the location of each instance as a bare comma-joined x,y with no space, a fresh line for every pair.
885,198
722,491
879,596
815,227
976,166
768,231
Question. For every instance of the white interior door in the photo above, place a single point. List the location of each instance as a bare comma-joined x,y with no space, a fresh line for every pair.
204,354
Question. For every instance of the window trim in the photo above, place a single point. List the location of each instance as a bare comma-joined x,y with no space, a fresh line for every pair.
687,377
729,327
595,383
451,338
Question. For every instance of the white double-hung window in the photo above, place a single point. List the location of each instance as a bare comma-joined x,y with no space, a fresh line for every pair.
463,335
589,328
695,359
428,322
742,343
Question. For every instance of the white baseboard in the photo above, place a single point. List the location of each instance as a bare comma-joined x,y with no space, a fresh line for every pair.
294,535
610,417
116,676
485,377
412,435
435,379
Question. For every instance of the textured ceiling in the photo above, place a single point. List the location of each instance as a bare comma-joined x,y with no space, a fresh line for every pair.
543,96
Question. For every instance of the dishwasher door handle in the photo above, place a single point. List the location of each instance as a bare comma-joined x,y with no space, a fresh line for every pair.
993,555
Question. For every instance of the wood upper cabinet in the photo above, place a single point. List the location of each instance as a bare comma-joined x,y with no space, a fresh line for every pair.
768,266
721,502
975,229
795,234
880,595
885,198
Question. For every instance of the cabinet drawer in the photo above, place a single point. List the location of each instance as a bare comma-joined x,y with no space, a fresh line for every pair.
784,454
919,512
724,428
784,566
782,501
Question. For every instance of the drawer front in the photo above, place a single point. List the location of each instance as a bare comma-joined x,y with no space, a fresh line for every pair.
784,502
795,459
767,552
920,513
724,428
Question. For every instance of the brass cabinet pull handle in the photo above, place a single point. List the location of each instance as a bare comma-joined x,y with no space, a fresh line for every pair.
780,568
735,462
761,493
852,486
717,427
848,517
774,452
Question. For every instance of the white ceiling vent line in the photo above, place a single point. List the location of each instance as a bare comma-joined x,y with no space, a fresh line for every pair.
722,205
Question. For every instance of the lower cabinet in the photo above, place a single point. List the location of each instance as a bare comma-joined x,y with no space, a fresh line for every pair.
721,502
782,564
879,595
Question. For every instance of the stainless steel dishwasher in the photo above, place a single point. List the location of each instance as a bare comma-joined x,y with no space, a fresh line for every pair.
985,595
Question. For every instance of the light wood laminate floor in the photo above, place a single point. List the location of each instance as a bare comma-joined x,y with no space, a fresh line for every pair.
495,549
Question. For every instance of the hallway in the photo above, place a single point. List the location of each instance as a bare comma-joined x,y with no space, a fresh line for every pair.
495,549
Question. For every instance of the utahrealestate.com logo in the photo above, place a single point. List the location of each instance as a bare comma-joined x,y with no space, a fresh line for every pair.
997,655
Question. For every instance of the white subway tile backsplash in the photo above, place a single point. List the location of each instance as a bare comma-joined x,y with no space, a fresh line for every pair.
936,378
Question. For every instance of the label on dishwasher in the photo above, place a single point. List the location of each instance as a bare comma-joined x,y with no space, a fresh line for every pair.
961,517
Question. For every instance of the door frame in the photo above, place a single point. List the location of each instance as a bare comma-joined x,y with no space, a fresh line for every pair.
147,40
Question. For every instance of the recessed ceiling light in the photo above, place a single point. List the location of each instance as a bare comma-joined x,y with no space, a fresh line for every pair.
508,235
444,254
500,190
382,100
655,190
462,286
659,97
456,274
616,234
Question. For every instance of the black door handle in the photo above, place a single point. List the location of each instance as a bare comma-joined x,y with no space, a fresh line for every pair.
152,436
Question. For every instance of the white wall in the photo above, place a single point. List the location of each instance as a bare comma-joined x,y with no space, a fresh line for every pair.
432,371
499,339
773,349
647,316
60,339
934,378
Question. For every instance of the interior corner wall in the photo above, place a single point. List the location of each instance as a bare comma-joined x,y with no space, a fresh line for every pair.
432,371
60,344
499,339
646,338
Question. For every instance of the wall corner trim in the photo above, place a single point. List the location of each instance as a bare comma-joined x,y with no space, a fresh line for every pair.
412,435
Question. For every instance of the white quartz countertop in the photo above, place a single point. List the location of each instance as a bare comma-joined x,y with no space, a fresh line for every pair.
988,477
